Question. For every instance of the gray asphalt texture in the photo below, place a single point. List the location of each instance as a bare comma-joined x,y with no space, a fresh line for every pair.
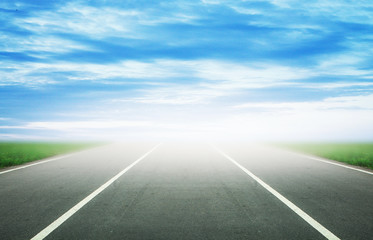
186,191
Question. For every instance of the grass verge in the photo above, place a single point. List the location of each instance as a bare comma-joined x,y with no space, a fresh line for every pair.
358,154
15,153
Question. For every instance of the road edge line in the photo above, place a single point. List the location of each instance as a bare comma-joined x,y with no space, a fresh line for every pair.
54,225
33,164
46,160
332,163
321,159
316,225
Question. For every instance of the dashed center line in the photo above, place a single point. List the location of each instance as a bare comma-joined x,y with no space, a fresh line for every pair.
292,206
46,231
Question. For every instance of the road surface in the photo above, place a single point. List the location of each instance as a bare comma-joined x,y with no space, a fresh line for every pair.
185,191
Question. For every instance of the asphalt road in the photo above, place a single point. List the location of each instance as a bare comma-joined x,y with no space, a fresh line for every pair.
185,191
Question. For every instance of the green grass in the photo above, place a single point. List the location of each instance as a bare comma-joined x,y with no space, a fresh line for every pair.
15,153
358,154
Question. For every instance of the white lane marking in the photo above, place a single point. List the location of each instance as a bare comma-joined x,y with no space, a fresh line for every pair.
33,164
292,206
46,231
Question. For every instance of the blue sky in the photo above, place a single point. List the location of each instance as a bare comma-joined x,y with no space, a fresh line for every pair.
248,70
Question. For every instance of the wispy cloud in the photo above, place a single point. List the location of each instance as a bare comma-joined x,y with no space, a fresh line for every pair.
71,125
77,18
361,102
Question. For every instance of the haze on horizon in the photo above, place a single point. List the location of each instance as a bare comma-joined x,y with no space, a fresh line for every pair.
266,70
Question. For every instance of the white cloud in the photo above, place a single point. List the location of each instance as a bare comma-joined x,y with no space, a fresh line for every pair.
213,2
82,19
249,11
334,118
343,65
236,76
345,125
22,137
33,74
211,79
207,79
149,20
177,95
338,85
348,102
100,22
349,11
73,125
338,118
41,43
